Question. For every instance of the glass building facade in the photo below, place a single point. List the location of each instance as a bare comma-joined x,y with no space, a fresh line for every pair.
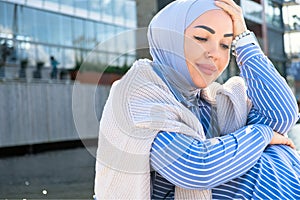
66,29
266,20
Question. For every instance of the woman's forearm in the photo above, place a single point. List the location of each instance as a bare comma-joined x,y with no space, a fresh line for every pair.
273,102
194,164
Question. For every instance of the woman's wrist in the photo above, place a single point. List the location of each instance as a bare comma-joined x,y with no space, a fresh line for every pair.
244,38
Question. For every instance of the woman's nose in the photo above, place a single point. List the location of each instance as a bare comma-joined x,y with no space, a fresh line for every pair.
213,51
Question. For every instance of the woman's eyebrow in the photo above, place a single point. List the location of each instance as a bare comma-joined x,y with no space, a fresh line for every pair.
212,31
228,35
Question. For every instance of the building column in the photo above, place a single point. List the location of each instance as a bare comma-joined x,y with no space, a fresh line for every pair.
145,12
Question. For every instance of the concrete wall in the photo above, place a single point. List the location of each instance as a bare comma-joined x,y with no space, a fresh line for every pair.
32,113
145,12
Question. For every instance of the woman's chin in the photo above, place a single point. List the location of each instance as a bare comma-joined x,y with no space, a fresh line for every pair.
203,83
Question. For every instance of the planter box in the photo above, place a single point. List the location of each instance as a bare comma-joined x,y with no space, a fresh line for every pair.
109,78
95,77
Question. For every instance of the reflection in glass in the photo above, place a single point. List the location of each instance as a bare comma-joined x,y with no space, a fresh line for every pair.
55,1
41,28
110,34
30,53
276,47
53,5
18,20
100,32
65,23
252,10
130,13
41,53
68,60
2,16
56,53
273,14
81,4
94,5
78,34
67,3
81,8
56,29
29,25
6,18
90,34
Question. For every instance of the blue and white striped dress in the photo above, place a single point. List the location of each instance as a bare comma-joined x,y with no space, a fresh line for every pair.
236,165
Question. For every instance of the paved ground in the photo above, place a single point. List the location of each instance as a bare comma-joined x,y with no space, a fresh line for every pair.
61,174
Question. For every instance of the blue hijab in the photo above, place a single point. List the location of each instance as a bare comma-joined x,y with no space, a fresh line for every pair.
166,42
166,34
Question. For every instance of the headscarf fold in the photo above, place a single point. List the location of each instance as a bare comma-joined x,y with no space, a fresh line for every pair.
166,41
166,35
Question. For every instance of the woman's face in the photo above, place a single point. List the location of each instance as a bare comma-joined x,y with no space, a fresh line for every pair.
207,46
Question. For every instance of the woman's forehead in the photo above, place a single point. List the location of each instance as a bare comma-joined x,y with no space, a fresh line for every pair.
211,20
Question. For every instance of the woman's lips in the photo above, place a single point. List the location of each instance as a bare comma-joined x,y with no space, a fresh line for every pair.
207,69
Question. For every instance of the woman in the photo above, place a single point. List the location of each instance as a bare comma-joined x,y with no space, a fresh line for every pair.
161,115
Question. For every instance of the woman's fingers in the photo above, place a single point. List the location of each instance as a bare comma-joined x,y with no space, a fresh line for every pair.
280,139
235,13
230,6
231,3
290,143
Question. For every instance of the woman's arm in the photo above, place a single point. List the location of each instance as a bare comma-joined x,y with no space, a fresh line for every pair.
193,164
274,104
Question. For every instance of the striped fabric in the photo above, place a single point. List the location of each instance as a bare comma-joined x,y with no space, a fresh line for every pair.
239,157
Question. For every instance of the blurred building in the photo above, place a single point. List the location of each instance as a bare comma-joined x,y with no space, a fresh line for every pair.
265,19
146,9
292,45
33,30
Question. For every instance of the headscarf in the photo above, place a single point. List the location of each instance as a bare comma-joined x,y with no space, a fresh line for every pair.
166,34
166,42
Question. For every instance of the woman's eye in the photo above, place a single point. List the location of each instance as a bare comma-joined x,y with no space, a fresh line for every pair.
200,38
225,46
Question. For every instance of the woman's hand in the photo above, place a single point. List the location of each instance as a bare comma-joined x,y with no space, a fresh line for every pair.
280,139
236,14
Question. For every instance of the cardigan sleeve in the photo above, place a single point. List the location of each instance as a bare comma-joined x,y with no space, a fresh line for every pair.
273,102
194,164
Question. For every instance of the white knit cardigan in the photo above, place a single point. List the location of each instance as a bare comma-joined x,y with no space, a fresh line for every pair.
138,107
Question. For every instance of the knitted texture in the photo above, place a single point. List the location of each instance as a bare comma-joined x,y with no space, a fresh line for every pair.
231,102
139,106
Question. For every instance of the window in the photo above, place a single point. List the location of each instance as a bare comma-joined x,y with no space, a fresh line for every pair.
90,34
54,28
273,14
65,23
41,26
29,23
7,18
78,34
252,10
68,60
